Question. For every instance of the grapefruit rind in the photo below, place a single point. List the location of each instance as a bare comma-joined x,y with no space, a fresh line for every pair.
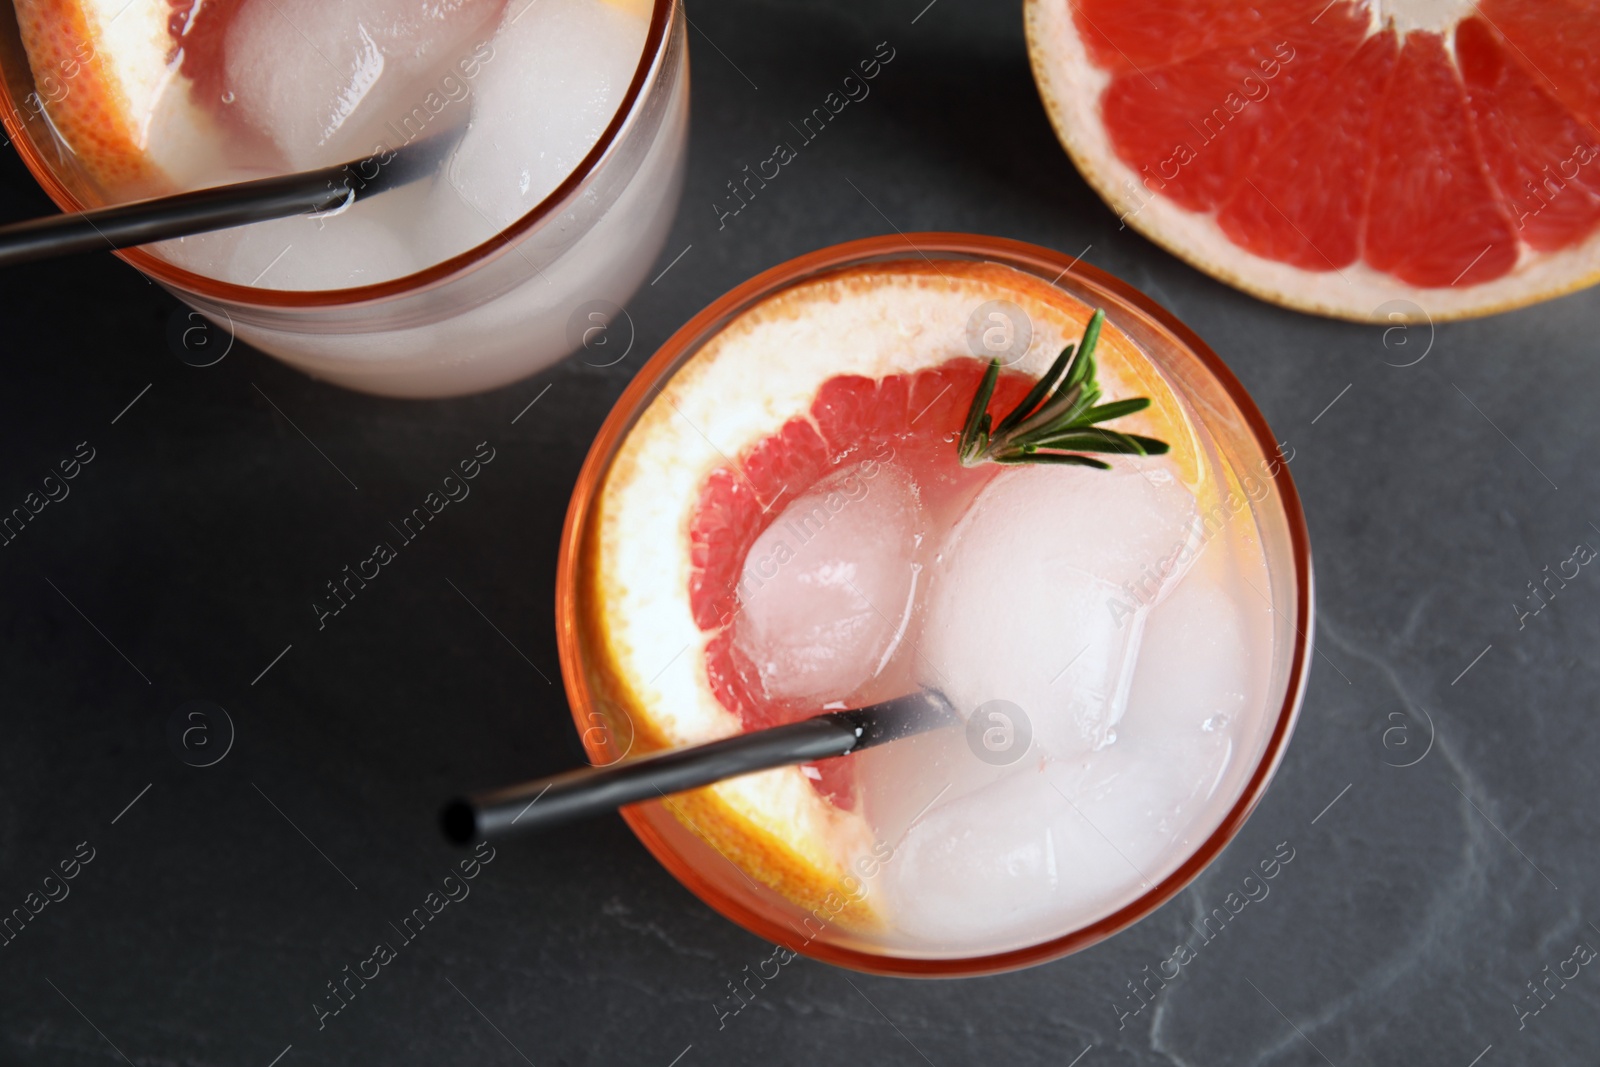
760,371
110,87
1071,87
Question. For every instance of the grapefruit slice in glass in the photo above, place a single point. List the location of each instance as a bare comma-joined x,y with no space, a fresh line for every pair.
1339,156
805,386
121,84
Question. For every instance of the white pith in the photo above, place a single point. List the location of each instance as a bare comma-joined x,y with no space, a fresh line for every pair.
1431,16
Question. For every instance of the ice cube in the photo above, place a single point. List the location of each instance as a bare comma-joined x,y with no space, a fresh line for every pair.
304,252
537,113
330,82
1191,698
827,589
1016,860
356,245
210,254
1040,595
447,225
899,782
1061,842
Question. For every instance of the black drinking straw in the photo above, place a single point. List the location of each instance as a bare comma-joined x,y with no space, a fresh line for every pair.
579,794
201,210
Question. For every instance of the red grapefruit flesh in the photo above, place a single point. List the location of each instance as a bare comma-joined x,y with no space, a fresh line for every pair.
1338,156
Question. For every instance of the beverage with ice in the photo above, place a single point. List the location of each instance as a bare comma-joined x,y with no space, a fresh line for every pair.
827,502
562,126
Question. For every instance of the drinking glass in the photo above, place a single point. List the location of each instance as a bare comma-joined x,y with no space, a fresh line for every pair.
496,312
1215,400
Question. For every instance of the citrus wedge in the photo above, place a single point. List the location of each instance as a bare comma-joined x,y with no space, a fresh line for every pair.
113,82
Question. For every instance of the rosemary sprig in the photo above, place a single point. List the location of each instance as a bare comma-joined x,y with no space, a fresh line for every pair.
1058,420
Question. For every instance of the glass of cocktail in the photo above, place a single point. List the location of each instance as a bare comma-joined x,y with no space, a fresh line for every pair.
565,122
779,517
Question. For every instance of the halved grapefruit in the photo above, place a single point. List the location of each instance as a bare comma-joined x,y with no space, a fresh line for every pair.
1339,155
802,384
113,77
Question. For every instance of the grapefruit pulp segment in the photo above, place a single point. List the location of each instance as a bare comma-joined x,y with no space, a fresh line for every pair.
1194,129
1284,209
1434,219
1557,41
1145,35
1535,148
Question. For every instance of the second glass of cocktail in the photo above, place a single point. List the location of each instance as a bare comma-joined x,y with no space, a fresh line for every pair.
559,128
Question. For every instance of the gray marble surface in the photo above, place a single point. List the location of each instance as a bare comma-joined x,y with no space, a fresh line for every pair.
1421,899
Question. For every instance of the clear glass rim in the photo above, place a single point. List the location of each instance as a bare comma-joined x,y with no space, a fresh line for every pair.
683,343
657,40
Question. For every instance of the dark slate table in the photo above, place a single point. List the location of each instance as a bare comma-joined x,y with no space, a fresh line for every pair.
220,900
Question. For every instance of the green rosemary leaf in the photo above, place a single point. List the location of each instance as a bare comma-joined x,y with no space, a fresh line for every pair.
1083,369
1094,440
1086,403
1057,421
1152,446
1115,410
975,414
1037,394
1071,418
1058,458
1091,389
1056,409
